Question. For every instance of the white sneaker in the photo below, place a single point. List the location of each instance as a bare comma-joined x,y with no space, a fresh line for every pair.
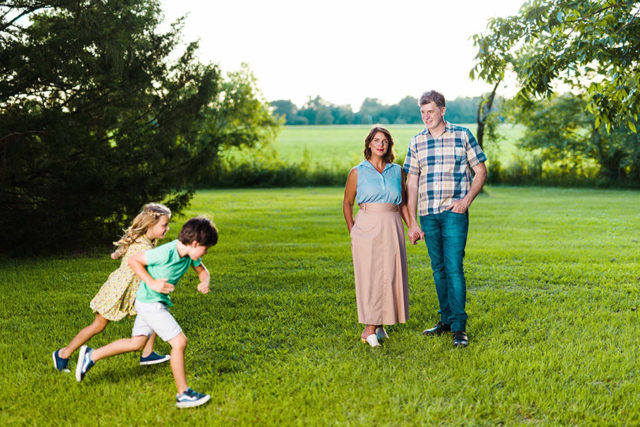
191,398
372,340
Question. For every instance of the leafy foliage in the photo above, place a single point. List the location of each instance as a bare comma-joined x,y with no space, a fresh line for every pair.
589,46
95,120
567,135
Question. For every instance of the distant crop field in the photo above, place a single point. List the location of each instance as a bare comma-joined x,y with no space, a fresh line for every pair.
344,144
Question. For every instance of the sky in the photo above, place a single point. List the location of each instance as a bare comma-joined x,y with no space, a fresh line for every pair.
344,50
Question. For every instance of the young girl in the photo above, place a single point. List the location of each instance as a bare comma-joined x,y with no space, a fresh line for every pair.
116,297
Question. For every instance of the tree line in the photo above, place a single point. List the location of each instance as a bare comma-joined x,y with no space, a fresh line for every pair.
318,111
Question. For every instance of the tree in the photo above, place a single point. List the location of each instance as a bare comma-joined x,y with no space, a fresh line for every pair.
240,118
289,110
408,110
285,108
95,120
462,110
592,47
372,111
486,117
568,136
342,114
317,111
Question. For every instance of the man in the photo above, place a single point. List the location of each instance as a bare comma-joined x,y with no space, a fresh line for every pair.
438,166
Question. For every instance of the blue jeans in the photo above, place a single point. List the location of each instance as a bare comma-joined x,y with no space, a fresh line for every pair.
446,237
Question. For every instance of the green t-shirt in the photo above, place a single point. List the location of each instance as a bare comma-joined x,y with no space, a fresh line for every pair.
164,262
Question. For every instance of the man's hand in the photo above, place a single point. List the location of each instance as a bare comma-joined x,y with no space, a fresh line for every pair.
415,233
459,206
161,285
203,287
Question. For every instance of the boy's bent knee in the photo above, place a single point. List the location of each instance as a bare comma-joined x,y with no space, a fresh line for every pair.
179,341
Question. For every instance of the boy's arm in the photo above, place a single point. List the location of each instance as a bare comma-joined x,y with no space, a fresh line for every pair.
138,263
204,276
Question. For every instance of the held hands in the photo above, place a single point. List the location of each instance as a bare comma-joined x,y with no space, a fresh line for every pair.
116,255
162,286
203,287
415,234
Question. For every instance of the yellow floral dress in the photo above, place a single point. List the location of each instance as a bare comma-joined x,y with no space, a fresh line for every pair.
117,296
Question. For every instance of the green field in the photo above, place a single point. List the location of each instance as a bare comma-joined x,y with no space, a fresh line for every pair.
344,144
553,278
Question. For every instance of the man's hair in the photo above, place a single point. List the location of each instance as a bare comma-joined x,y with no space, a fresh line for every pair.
199,229
432,96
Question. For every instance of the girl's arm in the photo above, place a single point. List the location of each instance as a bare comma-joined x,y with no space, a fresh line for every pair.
204,276
138,264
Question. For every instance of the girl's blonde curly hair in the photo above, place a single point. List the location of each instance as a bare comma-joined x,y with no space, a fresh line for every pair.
148,217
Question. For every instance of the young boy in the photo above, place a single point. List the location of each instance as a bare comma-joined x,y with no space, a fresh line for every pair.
160,269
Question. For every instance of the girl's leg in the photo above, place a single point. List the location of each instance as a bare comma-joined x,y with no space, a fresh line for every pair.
148,347
97,326
178,345
124,345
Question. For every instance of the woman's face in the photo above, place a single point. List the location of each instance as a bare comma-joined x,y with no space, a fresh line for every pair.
379,145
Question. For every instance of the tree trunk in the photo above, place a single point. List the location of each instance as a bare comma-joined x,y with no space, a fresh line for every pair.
484,110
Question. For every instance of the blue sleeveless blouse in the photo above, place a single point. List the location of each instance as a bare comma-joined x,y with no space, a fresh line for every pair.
376,187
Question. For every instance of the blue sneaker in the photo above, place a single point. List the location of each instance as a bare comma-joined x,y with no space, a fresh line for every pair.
154,358
191,398
59,363
84,362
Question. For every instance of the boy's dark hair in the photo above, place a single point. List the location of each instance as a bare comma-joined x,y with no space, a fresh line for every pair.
432,96
199,229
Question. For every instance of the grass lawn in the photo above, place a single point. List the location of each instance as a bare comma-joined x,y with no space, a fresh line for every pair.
553,278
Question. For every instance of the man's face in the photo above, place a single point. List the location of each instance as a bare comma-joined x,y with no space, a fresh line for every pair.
431,115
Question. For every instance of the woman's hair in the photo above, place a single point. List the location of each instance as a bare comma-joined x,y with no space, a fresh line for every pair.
149,216
389,156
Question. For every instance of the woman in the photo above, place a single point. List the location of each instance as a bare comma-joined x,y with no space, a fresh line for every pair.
377,237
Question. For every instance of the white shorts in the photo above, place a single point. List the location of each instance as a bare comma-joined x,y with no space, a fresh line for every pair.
155,317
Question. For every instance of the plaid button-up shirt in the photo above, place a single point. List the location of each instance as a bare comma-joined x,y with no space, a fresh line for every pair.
443,166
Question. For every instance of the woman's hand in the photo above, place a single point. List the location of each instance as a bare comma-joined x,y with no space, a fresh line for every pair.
415,233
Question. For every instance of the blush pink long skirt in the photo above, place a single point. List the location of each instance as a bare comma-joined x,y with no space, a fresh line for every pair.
380,265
